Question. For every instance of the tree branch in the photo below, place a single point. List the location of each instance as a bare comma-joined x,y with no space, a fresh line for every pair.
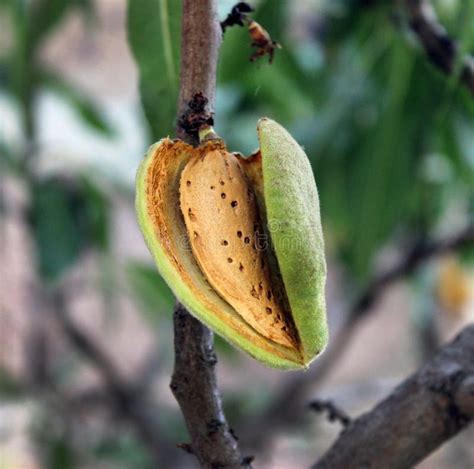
288,407
442,50
194,380
418,255
424,411
195,388
334,413
200,42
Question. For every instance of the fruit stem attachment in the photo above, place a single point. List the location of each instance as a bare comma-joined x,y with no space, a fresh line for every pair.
207,133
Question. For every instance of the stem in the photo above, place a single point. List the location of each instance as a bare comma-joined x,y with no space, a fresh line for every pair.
200,42
208,133
194,383
441,49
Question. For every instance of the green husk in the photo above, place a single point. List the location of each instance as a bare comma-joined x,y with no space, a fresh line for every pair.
292,210
294,222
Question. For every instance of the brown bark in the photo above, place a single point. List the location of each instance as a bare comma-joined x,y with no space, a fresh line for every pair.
200,41
194,379
195,388
418,416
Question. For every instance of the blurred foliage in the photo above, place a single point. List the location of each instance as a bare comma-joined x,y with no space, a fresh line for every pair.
10,388
389,137
55,445
376,115
124,452
153,33
79,101
22,74
67,215
65,220
150,291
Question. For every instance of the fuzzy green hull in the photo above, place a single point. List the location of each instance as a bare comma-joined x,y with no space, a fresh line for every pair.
294,222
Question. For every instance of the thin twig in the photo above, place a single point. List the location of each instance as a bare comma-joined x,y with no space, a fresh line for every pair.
194,380
334,413
420,253
421,413
288,406
442,50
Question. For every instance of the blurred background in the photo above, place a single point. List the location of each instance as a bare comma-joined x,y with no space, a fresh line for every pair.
85,320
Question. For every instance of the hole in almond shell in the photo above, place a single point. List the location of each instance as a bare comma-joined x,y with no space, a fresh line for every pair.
249,290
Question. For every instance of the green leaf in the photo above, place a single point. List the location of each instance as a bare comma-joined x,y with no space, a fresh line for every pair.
66,218
150,291
450,143
20,67
61,454
46,15
384,165
9,160
153,34
57,451
87,110
31,22
4,74
93,213
58,241
10,388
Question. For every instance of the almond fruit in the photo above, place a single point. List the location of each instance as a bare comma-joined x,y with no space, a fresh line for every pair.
239,241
